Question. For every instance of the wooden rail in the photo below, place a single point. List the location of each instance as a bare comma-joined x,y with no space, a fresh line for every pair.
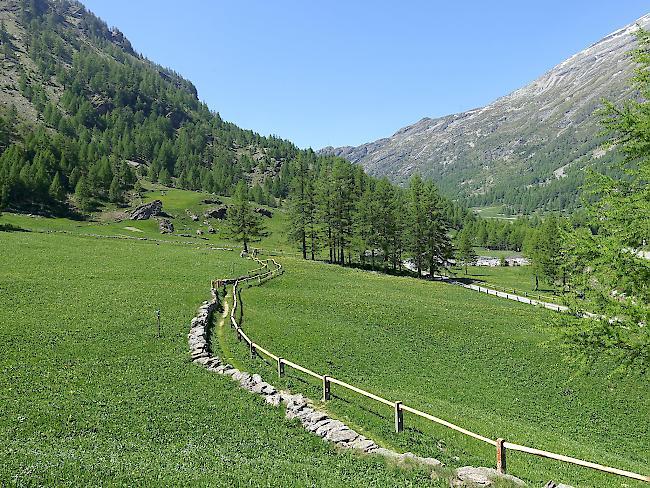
500,444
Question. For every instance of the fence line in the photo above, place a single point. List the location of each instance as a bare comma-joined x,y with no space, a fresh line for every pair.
500,444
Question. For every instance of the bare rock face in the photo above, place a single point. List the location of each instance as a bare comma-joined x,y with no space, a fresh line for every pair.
147,210
218,213
264,212
166,226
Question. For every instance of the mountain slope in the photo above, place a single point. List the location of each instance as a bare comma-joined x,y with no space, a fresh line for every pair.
78,103
526,149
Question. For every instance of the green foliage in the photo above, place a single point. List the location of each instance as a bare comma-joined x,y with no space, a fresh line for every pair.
56,189
83,195
610,274
543,247
465,247
244,224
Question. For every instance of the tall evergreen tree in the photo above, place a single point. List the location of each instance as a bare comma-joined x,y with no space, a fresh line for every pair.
243,223
56,189
465,248
610,269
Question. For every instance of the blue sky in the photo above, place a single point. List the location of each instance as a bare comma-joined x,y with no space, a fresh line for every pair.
348,72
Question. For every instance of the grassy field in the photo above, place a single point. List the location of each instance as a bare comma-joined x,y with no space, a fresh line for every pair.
114,222
89,396
494,212
493,366
519,278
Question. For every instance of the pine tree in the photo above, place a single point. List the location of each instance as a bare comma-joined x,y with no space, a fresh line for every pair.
610,269
56,190
83,195
115,192
466,253
243,223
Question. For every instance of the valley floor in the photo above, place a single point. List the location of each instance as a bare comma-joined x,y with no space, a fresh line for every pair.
88,394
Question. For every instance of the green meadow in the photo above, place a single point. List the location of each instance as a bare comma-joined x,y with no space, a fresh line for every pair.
492,366
90,397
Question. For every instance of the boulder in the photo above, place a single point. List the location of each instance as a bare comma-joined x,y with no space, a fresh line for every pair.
553,484
199,232
212,201
147,210
219,213
166,226
471,476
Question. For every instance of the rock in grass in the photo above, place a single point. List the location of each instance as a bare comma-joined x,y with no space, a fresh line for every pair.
273,400
363,444
342,435
471,476
147,210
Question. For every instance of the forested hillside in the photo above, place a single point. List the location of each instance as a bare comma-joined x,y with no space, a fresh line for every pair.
82,112
527,150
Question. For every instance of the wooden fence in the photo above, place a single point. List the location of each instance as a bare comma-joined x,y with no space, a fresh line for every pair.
265,272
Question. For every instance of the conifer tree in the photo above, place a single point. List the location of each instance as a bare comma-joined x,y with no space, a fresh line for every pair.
83,194
466,253
610,269
243,223
56,190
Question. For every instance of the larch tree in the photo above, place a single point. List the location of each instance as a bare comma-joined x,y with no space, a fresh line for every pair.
610,265
244,224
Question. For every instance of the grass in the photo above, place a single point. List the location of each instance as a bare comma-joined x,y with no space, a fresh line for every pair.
492,366
509,278
89,397
114,222
494,212
497,253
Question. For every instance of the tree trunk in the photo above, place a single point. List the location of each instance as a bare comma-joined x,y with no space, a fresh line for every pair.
304,245
536,282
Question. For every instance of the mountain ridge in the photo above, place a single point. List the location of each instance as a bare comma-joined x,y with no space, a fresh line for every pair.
526,149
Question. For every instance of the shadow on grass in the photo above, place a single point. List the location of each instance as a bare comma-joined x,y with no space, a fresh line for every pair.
12,228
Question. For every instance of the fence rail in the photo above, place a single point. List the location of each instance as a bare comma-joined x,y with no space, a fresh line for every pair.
500,444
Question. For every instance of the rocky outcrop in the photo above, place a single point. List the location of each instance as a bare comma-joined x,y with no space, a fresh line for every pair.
166,226
191,215
212,201
147,210
553,484
219,213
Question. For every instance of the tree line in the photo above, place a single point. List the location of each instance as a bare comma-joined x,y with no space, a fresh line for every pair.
338,212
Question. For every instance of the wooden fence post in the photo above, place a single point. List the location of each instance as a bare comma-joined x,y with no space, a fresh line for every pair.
501,457
280,368
399,417
326,388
